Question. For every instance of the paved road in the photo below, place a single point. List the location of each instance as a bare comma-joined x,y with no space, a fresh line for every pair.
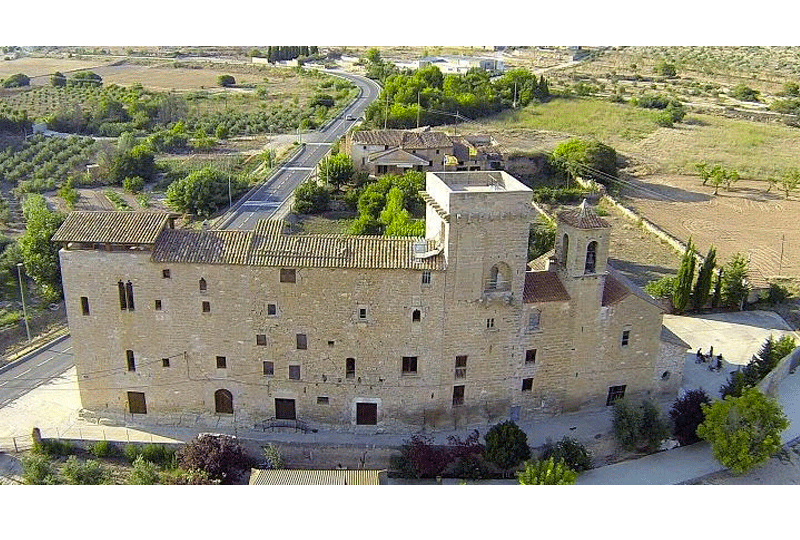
268,198
48,362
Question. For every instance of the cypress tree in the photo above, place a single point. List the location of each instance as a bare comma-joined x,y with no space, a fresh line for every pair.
702,289
683,283
717,290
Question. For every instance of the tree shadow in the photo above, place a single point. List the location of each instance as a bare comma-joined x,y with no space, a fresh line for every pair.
642,274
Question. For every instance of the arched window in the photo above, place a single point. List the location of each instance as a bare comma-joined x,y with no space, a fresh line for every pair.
223,402
203,284
499,278
415,315
564,250
591,257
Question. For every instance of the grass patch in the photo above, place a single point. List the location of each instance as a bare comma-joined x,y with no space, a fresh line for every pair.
608,122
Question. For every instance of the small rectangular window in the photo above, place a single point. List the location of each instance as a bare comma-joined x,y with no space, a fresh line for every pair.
362,314
615,393
426,277
626,336
530,356
458,395
294,372
222,362
131,360
302,342
158,305
203,285
409,365
84,305
269,368
322,400
165,273
261,339
165,362
129,295
490,323
206,307
123,300
288,275
534,320
272,309
461,367
350,368
527,384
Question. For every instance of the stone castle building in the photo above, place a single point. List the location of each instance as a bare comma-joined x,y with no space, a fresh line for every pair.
345,331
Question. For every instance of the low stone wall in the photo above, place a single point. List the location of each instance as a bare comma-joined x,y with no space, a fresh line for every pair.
769,384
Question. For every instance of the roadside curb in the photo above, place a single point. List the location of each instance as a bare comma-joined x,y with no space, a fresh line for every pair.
30,353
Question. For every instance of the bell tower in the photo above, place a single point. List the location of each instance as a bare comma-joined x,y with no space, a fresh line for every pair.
581,253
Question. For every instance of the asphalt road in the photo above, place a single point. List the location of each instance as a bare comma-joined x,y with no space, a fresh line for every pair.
263,202
48,362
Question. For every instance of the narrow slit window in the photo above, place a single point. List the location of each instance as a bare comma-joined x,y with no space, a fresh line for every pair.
123,301
350,368
461,367
85,305
131,360
206,307
415,315
203,284
129,295
158,305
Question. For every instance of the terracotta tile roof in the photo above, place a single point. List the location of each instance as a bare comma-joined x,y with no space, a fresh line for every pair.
112,227
583,217
543,287
210,247
269,245
395,156
402,138
613,291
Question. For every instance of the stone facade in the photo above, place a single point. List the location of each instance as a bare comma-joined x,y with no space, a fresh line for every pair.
358,333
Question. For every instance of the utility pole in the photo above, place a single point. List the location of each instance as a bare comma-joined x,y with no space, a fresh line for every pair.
417,109
780,265
515,95
22,297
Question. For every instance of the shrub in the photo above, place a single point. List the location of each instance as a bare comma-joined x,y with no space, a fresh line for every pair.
38,470
221,456
158,454
419,458
641,428
132,451
570,451
103,449
743,431
54,447
661,288
273,456
744,93
226,80
16,80
133,184
506,445
686,414
144,473
83,472
547,472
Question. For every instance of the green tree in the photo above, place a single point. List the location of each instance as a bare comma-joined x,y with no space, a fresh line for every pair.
702,288
506,446
336,170
666,69
790,180
743,92
202,192
570,451
686,414
58,79
17,80
661,288
735,284
703,171
311,197
39,254
226,80
641,427
547,472
138,161
790,88
587,159
222,457
683,283
541,237
745,431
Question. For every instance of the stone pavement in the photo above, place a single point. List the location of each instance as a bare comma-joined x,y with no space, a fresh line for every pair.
55,407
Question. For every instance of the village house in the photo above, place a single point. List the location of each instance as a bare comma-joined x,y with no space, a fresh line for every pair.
359,333
395,151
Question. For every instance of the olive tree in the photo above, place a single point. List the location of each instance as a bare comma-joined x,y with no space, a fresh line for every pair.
745,431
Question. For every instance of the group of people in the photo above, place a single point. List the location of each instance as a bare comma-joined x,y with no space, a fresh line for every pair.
714,362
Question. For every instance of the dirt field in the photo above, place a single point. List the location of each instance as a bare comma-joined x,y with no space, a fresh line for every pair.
746,219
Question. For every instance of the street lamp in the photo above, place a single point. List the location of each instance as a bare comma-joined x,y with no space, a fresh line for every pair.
22,296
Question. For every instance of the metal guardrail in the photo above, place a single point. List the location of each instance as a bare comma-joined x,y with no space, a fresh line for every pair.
272,423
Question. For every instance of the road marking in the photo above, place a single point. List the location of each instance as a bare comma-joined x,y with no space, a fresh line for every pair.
21,374
4,383
43,363
299,168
